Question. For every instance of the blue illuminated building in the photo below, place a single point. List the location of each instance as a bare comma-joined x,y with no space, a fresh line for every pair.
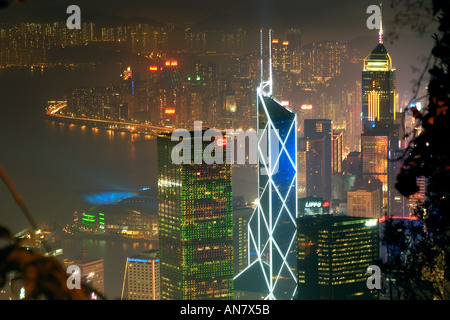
271,270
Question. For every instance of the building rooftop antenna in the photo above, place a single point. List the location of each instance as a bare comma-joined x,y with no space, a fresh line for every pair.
266,84
380,34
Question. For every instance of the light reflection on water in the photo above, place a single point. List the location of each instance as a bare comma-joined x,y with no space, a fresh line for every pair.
49,161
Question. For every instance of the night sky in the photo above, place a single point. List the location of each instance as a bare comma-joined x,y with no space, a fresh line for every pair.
318,20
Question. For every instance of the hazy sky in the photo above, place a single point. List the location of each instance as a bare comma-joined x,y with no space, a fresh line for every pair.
324,19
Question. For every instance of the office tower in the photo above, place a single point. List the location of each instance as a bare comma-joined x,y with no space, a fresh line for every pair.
294,39
352,163
375,160
301,170
322,61
380,137
281,56
353,103
92,271
318,139
378,87
169,94
365,200
338,145
333,255
377,146
338,179
230,112
195,221
418,197
142,277
241,217
313,206
272,227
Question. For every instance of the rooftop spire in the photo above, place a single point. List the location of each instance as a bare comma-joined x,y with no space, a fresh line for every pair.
380,34
266,84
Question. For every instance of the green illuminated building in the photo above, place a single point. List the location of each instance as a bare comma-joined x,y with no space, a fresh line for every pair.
93,221
195,221
334,253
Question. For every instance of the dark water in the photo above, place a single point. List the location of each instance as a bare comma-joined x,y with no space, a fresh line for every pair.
113,253
49,161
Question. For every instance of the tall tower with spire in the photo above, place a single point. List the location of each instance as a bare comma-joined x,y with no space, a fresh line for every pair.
378,86
380,137
272,228
380,33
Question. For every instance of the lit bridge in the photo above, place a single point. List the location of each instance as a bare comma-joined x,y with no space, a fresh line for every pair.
132,126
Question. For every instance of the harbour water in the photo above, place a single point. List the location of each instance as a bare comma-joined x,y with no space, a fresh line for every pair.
49,162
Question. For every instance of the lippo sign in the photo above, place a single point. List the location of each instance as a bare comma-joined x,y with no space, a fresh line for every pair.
234,142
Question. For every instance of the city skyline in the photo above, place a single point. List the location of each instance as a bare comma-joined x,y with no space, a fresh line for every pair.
265,13
87,118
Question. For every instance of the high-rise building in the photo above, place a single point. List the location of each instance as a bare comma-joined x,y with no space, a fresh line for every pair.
281,55
352,163
334,253
365,201
169,93
294,39
318,138
92,271
322,60
241,217
378,87
313,206
375,160
338,145
380,137
353,121
377,147
142,277
195,221
418,197
272,228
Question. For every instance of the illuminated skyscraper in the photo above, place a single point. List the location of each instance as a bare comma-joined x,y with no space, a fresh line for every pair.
241,217
380,138
338,145
333,255
365,200
142,276
322,61
319,161
378,87
92,271
281,55
271,270
375,161
195,223
169,93
294,39
377,146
